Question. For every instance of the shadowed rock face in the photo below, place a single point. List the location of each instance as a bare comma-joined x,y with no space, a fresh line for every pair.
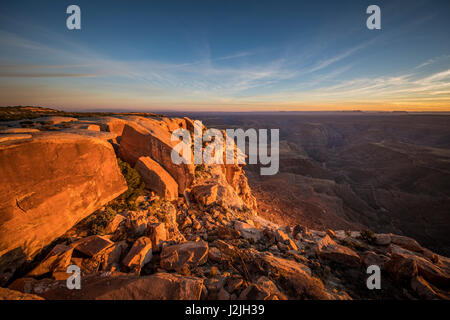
48,184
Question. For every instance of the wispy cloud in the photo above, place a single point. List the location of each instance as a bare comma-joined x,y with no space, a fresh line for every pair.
280,81
45,75
431,61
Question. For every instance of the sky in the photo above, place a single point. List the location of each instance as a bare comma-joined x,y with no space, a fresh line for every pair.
226,55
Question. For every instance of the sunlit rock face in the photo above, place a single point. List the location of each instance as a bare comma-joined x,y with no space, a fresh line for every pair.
157,178
49,182
149,137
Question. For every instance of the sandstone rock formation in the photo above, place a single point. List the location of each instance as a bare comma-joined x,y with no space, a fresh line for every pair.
149,137
217,193
139,255
8,294
159,286
157,178
49,183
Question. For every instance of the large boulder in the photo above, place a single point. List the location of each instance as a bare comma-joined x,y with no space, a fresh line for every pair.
436,273
296,275
248,231
8,294
219,193
406,242
149,137
179,256
159,286
48,184
111,124
328,249
157,178
57,260
92,245
401,268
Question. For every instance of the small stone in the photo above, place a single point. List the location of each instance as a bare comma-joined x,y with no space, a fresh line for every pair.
247,231
330,250
331,233
157,234
196,225
139,254
281,236
214,255
114,224
191,253
291,245
382,239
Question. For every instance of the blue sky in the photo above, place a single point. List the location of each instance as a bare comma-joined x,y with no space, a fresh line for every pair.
226,55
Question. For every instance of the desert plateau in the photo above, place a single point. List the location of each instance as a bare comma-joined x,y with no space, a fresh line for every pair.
100,192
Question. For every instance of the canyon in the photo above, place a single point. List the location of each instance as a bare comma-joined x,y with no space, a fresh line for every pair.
384,171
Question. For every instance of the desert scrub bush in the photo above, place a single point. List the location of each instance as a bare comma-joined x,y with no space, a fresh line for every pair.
199,170
352,245
65,125
368,236
97,222
214,272
135,186
156,209
48,128
26,124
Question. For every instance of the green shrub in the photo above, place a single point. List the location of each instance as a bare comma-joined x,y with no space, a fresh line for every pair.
368,236
352,245
134,182
48,128
199,170
156,209
97,223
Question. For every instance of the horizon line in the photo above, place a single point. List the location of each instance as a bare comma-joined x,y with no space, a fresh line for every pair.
130,110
